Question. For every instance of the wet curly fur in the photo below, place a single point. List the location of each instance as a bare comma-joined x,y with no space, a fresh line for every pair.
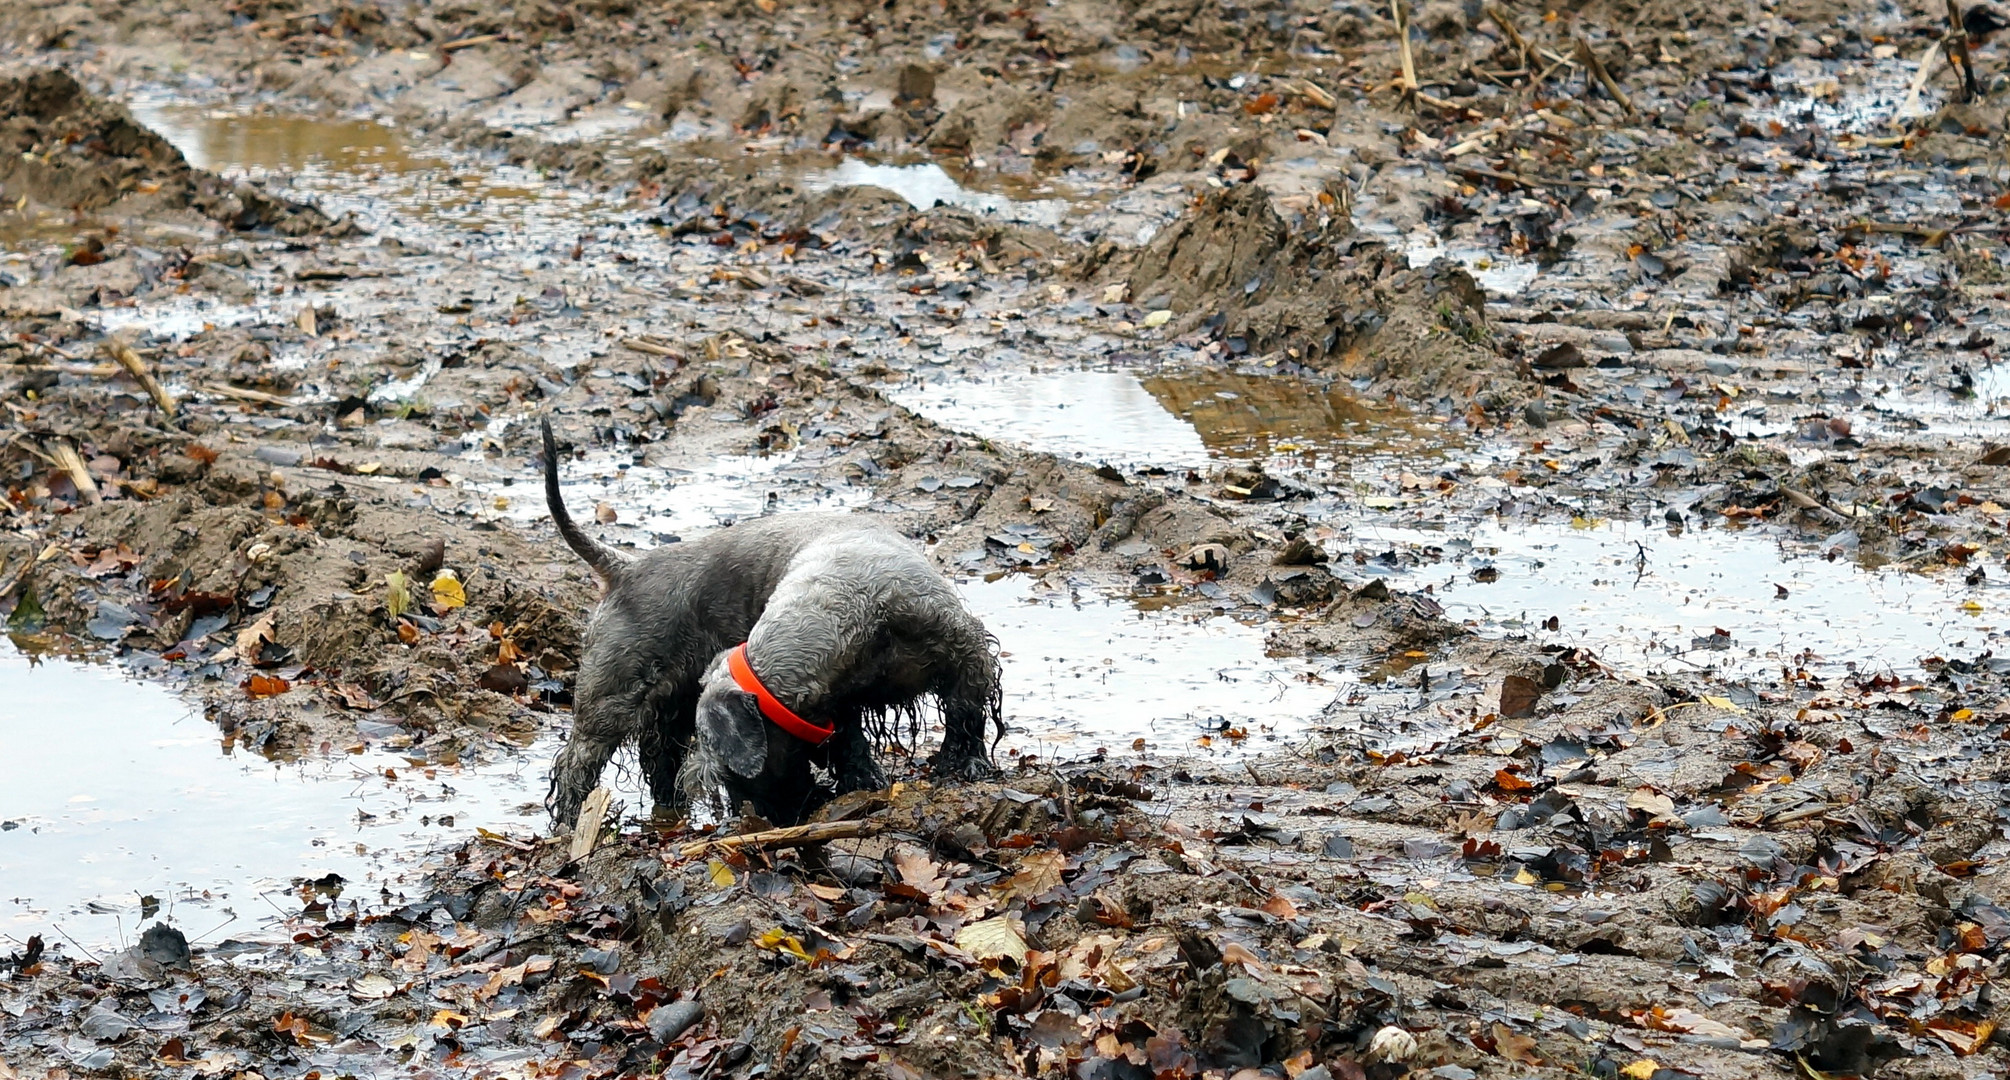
845,622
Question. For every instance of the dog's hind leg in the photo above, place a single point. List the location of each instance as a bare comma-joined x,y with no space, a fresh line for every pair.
598,730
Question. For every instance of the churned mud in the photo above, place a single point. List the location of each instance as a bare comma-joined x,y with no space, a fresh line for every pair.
1497,570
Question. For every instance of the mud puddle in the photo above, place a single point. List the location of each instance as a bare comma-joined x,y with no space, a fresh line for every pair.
393,184
1088,669
131,809
927,185
653,505
1170,419
1744,604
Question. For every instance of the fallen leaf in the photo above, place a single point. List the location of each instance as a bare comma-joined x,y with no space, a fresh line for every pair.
1518,695
251,640
372,987
722,875
1514,1046
1038,872
447,591
1642,1069
398,595
994,939
264,686
781,940
1655,804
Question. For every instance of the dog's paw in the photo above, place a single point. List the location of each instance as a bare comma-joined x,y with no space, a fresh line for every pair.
964,767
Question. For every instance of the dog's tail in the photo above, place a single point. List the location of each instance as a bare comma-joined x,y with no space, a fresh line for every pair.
604,560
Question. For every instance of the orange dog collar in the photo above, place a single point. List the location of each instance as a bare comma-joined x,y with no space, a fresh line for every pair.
771,706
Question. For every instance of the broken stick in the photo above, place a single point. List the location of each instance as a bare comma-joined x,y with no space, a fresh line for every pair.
1957,51
137,368
1521,46
1409,83
1590,59
793,836
67,459
586,828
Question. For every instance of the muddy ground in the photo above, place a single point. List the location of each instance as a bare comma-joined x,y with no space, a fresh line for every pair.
1751,295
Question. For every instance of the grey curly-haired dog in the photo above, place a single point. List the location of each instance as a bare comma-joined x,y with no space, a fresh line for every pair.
763,661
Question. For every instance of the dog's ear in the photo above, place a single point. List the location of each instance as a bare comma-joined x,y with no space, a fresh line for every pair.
734,731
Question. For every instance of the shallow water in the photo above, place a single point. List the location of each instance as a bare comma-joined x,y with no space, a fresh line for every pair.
1085,668
656,505
129,794
1170,419
1643,599
928,185
396,186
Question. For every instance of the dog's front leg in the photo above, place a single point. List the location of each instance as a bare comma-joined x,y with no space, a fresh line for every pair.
668,719
970,706
856,765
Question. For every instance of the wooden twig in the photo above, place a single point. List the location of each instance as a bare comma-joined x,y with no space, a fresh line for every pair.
1919,79
258,396
100,371
470,42
1506,22
137,368
1590,59
72,463
644,345
586,828
1957,51
793,836
1409,81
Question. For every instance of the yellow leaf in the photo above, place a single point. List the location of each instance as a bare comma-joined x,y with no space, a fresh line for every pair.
1641,1070
398,599
1523,877
1971,607
447,591
993,939
1962,714
722,875
1158,318
781,940
1723,703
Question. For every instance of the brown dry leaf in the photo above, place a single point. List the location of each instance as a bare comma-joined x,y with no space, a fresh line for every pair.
1509,782
350,696
1964,1037
1689,1022
252,639
264,686
1515,1047
1470,823
1281,907
1038,872
1655,804
509,976
918,871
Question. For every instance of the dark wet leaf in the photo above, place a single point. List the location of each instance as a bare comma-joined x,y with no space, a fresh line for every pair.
1518,696
1559,357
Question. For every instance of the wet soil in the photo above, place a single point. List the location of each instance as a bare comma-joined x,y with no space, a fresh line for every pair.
1499,582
